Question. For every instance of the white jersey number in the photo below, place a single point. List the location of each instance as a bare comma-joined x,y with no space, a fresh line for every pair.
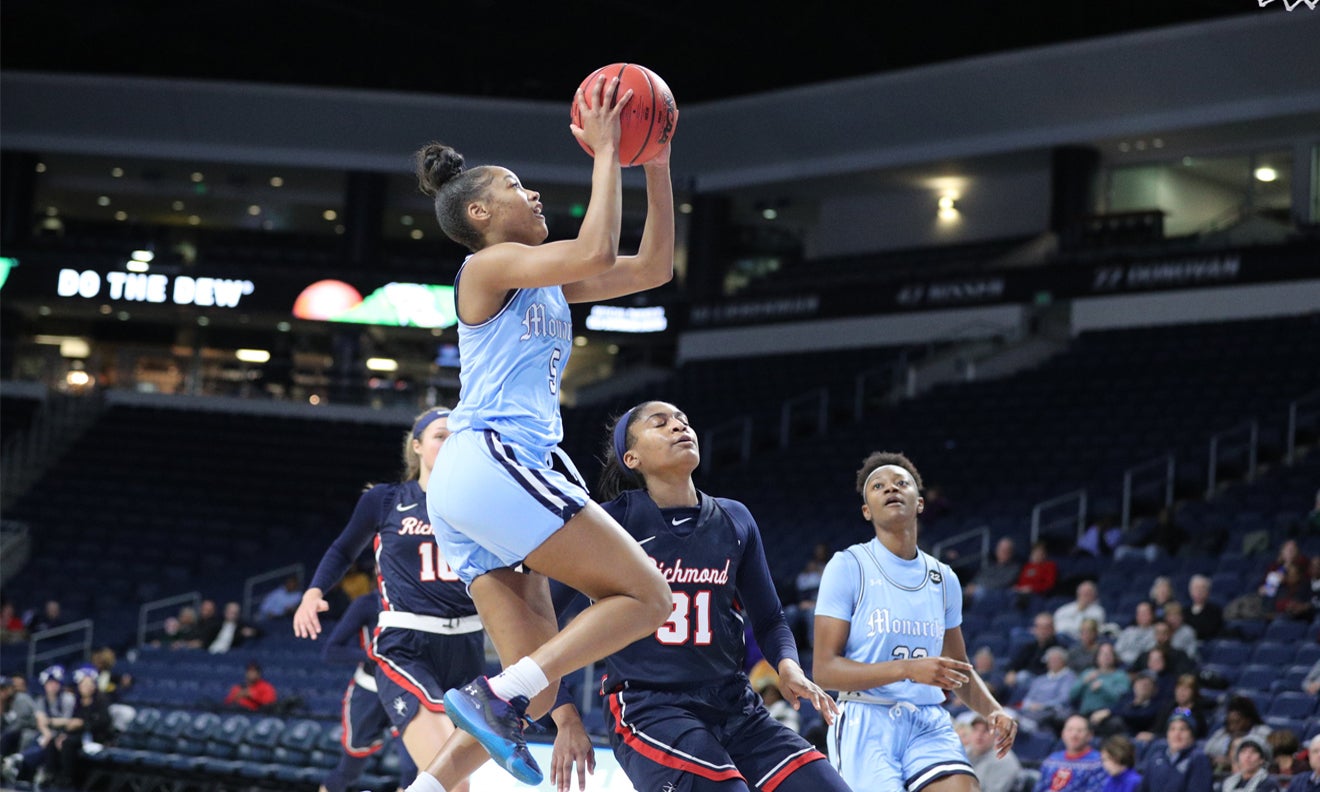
690,619
434,565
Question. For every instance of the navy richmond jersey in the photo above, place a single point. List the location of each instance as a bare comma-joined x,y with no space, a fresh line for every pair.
512,364
414,577
719,577
351,636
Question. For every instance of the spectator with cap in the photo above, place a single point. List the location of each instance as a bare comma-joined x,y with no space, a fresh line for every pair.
1253,768
253,693
89,729
1180,766
1077,768
1119,756
994,773
1309,782
54,710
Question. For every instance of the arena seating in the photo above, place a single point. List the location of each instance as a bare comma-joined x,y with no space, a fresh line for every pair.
172,501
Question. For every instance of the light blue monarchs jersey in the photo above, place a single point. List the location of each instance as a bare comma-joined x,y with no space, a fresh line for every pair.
897,609
511,368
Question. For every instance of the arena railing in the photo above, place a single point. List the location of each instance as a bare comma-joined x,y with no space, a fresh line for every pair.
1305,407
1240,441
1165,467
1075,514
145,622
83,648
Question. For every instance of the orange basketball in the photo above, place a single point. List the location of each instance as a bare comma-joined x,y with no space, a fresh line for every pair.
649,118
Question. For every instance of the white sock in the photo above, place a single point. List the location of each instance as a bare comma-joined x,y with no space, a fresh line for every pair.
425,782
523,678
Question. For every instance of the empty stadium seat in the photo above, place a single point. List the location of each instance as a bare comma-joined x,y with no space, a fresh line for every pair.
1292,704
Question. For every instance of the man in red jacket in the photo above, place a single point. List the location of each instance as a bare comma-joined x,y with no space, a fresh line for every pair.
255,693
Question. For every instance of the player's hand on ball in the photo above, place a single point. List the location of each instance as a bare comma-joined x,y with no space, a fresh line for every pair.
306,622
942,672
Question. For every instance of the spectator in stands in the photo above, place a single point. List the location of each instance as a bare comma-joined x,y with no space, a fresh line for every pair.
1081,655
232,631
1047,702
1001,574
995,774
1101,687
18,718
1241,719
1099,539
50,617
189,635
1167,537
1314,567
1068,617
800,614
1161,594
1290,555
1039,575
984,663
1202,615
1077,768
1289,759
1311,682
1253,768
54,710
1181,766
1136,712
1176,660
1029,660
1293,598
1119,756
1304,781
208,618
281,601
253,693
1187,697
1181,636
90,728
1139,636
169,632
12,629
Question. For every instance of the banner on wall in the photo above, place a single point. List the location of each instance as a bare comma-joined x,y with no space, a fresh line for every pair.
1019,285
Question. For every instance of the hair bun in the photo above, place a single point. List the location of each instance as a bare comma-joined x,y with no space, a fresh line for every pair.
437,164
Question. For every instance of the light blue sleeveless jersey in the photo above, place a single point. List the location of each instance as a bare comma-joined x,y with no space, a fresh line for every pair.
511,368
897,609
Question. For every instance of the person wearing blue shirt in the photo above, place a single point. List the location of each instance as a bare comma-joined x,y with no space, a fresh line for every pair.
1078,767
1180,766
509,509
888,636
1309,782
1118,756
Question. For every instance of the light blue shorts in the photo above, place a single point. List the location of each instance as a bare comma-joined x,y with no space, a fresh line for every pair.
492,503
902,746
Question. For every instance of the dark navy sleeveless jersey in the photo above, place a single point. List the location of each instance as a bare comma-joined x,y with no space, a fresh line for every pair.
414,576
351,636
719,577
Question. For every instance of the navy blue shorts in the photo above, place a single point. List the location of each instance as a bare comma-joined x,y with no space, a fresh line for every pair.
714,738
415,668
364,720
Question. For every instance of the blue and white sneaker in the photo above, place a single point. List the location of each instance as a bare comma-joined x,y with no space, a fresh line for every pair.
497,724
